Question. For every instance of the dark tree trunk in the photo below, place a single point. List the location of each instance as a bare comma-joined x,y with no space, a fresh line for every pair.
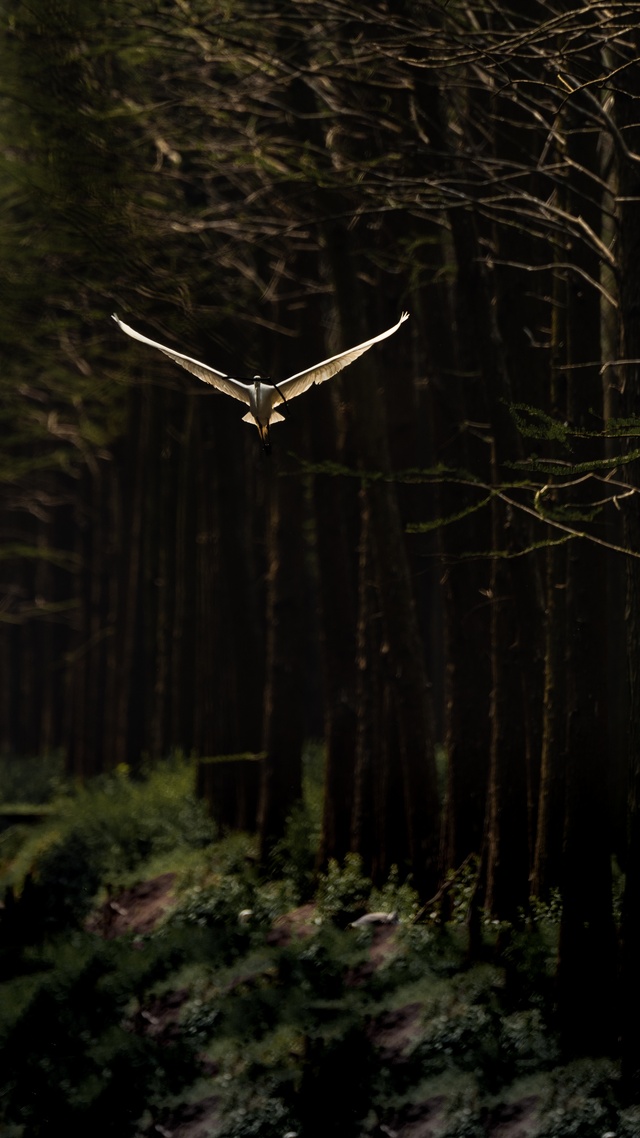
404,651
548,845
368,698
627,101
129,682
283,731
335,505
547,859
230,785
587,935
511,593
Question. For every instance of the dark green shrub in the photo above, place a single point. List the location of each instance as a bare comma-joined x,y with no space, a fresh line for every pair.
343,891
268,1119
294,857
106,834
72,1057
68,877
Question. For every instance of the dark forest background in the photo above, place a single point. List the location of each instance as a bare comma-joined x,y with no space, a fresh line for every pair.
437,571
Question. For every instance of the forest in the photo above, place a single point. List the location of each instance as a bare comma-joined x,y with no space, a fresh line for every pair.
435,575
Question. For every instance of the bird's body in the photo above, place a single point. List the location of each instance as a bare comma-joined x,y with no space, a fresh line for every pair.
263,395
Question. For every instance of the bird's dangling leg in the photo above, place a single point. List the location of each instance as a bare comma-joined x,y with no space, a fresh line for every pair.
265,437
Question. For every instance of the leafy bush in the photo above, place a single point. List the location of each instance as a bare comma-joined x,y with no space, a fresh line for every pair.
395,897
294,857
71,1054
199,1020
217,909
583,1100
215,905
272,899
463,888
343,891
526,1043
316,967
267,1119
106,834
462,1035
68,876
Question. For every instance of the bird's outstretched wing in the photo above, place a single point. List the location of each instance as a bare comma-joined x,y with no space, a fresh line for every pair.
216,378
300,382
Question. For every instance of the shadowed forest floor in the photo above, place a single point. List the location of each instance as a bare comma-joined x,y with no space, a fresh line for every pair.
153,980
394,1031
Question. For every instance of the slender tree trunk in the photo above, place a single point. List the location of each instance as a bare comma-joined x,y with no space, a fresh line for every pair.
404,649
127,741
335,510
626,105
368,701
548,845
511,591
587,934
547,860
283,731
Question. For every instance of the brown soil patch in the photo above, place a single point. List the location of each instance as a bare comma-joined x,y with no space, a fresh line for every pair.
159,1017
134,910
196,1120
393,1031
420,1120
428,1119
297,924
515,1120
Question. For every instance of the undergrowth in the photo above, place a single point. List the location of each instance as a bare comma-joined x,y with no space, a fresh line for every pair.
104,835
218,1014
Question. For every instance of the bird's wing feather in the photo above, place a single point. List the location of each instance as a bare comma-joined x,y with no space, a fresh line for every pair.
300,382
216,378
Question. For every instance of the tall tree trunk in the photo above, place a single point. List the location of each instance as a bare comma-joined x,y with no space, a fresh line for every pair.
511,591
626,108
587,935
547,858
283,731
127,740
404,649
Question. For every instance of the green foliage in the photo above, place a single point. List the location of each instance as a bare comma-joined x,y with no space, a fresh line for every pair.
582,1100
545,912
343,891
464,883
105,834
217,904
290,1028
460,1034
199,1020
73,1054
213,911
294,856
316,966
395,897
267,1119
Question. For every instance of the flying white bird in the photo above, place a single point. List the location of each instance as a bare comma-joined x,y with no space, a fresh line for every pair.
264,395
